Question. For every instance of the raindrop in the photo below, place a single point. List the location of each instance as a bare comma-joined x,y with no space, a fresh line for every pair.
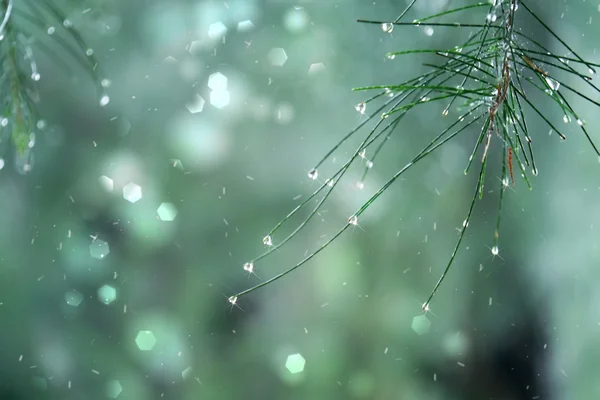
495,250
1,163
554,85
67,23
465,223
361,107
534,171
580,122
492,17
313,174
428,31
89,52
387,27
105,83
104,100
369,164
35,76
51,30
566,118
249,266
390,56
268,241
232,299
360,185
353,220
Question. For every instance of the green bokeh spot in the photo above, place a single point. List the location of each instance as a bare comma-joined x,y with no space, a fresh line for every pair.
295,363
421,324
73,298
99,249
113,389
107,294
145,340
167,212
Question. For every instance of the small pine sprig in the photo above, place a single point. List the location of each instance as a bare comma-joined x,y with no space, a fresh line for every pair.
29,27
492,76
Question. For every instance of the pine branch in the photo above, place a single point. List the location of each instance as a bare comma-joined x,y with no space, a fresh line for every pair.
19,70
497,67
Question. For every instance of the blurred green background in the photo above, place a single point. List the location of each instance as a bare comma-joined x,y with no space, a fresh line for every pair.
103,297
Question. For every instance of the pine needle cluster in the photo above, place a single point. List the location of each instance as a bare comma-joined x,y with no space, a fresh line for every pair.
489,81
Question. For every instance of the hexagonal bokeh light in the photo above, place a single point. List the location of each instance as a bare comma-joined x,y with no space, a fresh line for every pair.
217,30
295,363
420,324
145,340
217,81
197,105
277,56
316,68
219,98
107,294
99,249
106,183
113,389
167,212
132,192
73,298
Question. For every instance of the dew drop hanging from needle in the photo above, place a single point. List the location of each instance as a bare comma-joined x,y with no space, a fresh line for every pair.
387,27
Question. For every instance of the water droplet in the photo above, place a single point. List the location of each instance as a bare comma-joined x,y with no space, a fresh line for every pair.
465,223
389,92
51,30
232,299
67,23
425,307
495,250
105,83
249,266
369,164
591,71
4,121
390,56
104,100
492,17
361,107
1,163
554,85
89,52
445,112
429,31
566,118
41,124
387,27
580,122
534,171
514,6
505,182
330,182
268,241
363,153
313,174
353,220
35,76
360,185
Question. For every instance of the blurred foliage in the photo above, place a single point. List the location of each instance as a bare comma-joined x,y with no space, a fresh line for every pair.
104,296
